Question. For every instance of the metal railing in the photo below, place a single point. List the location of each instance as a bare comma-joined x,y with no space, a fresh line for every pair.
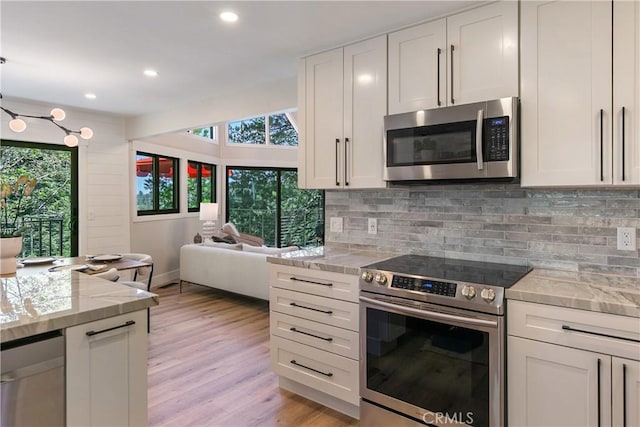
44,236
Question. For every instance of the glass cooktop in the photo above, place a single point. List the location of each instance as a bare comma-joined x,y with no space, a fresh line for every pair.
476,272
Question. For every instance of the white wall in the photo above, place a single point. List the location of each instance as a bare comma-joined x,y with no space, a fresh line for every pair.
103,171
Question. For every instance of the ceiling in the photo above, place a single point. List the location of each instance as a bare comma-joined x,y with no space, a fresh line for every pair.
57,51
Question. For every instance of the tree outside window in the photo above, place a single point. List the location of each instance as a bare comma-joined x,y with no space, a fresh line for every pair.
156,184
273,129
200,184
266,202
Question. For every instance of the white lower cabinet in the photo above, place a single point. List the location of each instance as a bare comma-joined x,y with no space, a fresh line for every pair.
106,372
314,335
570,367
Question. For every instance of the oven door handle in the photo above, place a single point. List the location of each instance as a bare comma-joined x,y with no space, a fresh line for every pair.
431,314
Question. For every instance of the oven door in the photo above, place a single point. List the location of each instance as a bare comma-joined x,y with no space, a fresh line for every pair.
436,365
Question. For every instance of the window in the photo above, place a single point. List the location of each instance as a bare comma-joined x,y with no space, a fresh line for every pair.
156,184
200,184
207,132
274,129
267,202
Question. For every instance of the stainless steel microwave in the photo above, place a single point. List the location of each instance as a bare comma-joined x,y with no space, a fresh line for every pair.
470,141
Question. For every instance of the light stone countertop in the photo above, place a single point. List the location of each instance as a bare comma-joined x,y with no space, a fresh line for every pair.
326,259
38,303
586,291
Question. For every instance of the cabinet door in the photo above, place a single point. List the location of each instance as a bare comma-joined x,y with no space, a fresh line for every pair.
550,385
324,144
565,84
417,67
365,105
626,392
106,372
626,86
483,53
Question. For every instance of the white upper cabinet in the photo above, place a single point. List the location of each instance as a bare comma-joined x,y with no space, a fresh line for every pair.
417,67
571,131
344,99
468,57
626,93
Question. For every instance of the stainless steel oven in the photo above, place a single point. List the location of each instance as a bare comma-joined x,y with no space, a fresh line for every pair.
432,341
468,141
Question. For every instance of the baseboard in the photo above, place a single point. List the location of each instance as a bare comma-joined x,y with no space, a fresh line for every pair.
317,396
165,278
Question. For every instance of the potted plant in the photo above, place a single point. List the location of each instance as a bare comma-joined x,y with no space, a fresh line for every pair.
12,225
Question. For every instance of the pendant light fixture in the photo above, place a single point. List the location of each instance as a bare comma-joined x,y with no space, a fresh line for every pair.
56,115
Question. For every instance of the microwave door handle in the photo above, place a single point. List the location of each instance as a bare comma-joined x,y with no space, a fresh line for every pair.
479,122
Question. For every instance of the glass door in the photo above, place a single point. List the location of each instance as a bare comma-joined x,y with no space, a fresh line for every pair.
50,212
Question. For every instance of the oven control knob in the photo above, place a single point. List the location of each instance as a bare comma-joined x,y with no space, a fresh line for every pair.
381,279
367,276
488,294
469,292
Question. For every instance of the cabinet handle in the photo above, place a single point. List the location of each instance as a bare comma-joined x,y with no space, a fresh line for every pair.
570,329
326,374
438,74
479,123
452,100
599,362
623,111
624,393
310,281
346,155
601,144
328,339
293,304
124,325
337,151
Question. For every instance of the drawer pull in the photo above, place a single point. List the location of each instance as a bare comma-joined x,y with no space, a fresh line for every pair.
570,329
326,374
329,339
124,325
293,304
599,415
310,281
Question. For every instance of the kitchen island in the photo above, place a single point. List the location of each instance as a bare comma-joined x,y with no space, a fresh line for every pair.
102,326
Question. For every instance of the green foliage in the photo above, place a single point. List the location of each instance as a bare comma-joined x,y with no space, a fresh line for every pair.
51,199
281,132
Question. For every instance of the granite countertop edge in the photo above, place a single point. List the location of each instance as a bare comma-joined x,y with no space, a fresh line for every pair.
608,294
336,261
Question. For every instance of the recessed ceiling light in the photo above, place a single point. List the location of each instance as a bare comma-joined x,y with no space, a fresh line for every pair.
151,73
90,95
229,17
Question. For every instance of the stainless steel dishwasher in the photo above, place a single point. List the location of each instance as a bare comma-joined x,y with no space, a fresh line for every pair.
32,388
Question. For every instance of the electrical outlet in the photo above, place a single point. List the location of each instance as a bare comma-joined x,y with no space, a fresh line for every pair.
372,226
626,239
335,224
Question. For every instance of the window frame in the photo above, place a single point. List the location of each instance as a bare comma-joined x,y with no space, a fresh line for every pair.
279,171
267,142
214,131
156,185
214,195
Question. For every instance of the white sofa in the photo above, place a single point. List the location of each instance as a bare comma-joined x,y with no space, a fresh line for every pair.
235,270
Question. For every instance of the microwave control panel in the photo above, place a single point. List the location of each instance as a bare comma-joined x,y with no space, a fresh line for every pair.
497,139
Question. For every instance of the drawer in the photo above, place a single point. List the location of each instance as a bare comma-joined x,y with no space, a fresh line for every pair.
589,330
329,373
333,312
323,283
324,337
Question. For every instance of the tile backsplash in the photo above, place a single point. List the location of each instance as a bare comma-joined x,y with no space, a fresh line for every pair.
567,229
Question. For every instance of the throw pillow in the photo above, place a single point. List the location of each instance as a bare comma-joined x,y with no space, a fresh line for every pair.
231,229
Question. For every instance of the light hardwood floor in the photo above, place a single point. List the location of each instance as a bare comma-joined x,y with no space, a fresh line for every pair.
209,365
